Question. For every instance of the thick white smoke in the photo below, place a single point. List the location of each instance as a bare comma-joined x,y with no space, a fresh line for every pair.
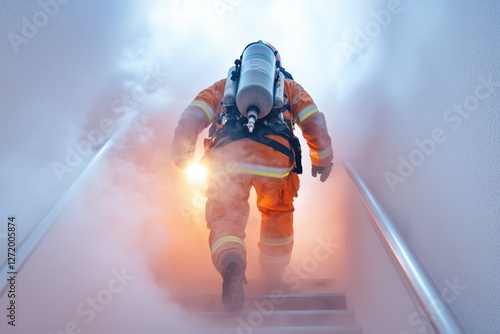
134,233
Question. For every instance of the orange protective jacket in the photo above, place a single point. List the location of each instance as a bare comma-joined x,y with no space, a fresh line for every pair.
206,108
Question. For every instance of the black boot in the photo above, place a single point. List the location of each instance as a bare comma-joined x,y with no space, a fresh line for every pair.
233,275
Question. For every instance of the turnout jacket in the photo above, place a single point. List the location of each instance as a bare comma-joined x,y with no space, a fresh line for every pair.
206,108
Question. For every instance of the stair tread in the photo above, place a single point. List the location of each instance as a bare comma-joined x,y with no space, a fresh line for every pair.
291,329
275,308
277,312
274,318
265,295
257,285
292,301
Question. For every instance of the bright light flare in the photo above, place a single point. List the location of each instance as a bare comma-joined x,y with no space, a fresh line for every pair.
196,172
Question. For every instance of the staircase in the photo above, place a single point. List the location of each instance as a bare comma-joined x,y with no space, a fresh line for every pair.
310,309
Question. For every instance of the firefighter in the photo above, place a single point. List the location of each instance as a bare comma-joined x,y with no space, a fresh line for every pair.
252,144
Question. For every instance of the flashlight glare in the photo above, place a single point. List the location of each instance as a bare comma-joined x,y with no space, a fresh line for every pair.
196,173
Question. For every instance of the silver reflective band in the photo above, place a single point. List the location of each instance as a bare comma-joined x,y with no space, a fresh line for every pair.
244,168
205,107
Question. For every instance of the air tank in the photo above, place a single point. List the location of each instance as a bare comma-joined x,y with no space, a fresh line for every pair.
279,92
229,97
256,84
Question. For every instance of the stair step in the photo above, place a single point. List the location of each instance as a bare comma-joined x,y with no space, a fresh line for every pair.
260,285
293,307
310,285
276,318
286,329
285,301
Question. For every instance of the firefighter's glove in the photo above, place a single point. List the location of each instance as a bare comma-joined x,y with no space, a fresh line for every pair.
323,171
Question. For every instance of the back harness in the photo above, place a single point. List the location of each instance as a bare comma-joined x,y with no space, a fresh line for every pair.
231,126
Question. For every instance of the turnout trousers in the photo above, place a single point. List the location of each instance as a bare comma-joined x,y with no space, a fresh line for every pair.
234,169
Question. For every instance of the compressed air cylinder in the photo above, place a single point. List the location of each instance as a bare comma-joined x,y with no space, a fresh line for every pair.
256,84
229,97
279,91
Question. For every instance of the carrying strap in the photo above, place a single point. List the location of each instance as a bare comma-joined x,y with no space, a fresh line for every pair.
234,130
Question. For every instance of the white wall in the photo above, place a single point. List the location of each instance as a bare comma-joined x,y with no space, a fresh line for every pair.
429,58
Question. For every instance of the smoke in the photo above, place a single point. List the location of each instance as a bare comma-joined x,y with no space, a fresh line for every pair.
134,234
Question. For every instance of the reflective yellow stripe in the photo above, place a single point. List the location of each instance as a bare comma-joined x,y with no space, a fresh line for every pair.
259,170
205,107
306,112
276,242
223,240
275,259
321,154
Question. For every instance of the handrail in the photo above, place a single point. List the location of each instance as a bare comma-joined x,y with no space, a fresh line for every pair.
35,236
438,312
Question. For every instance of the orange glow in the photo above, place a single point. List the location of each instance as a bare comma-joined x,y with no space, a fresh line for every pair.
196,173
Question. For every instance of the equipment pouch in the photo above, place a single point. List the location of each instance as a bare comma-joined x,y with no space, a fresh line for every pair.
297,152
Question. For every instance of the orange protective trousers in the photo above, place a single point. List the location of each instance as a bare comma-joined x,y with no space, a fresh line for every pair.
234,169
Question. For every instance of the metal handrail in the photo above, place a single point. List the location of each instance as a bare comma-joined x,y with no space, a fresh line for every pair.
420,284
36,235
